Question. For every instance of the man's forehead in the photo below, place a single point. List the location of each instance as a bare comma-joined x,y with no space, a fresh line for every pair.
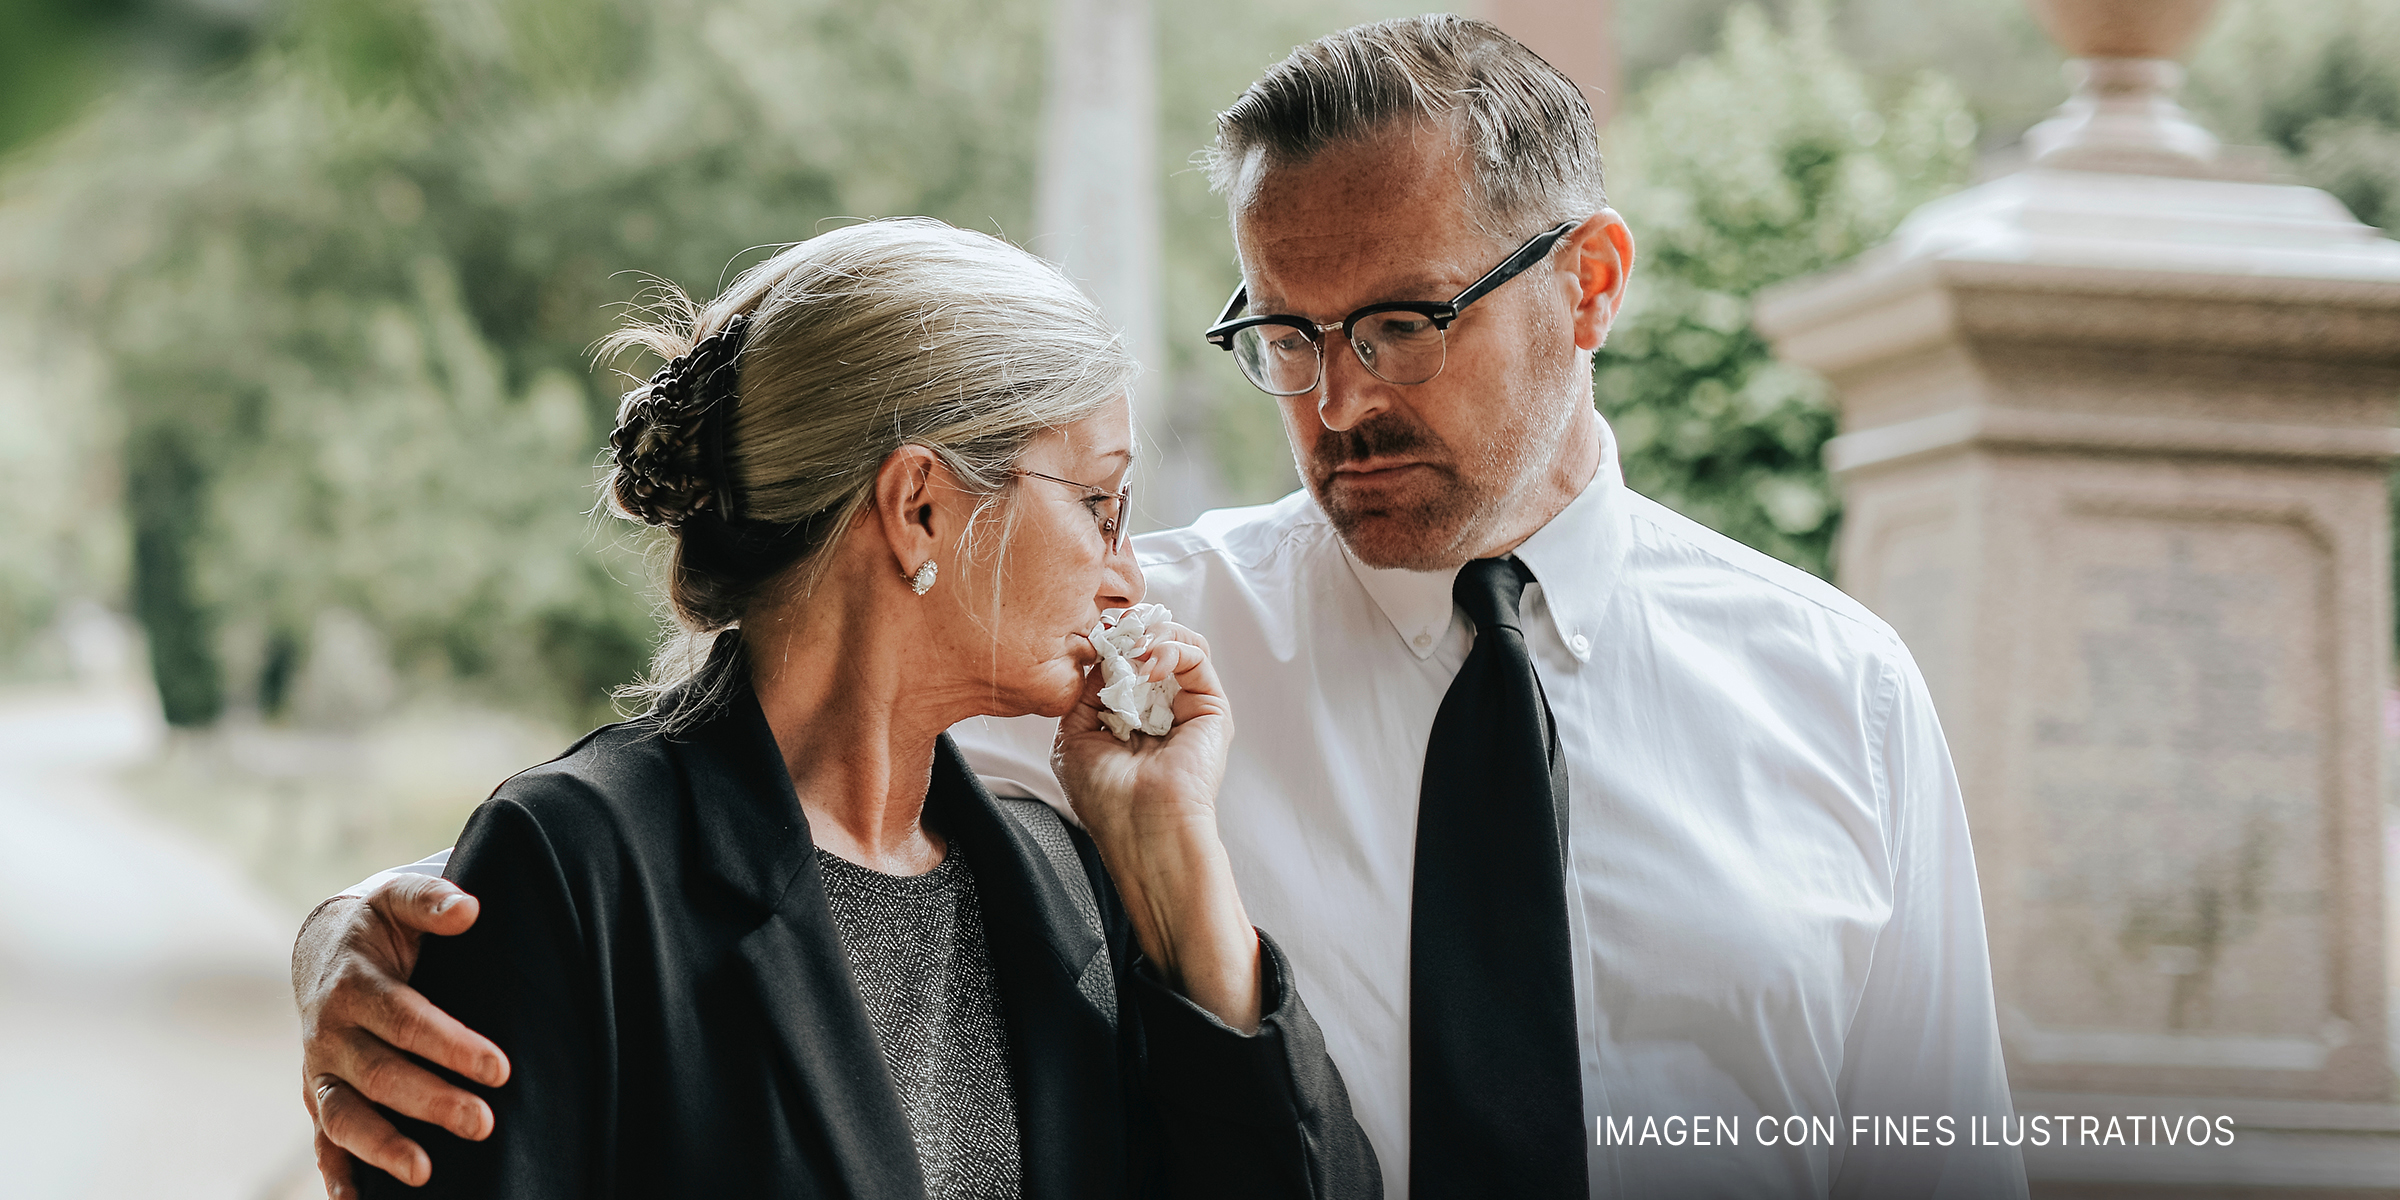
1382,216
1302,293
1360,262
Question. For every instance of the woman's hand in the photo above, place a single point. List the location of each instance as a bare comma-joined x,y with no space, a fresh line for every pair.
1151,782
1150,805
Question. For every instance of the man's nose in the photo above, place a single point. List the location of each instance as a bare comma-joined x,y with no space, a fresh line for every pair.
1348,393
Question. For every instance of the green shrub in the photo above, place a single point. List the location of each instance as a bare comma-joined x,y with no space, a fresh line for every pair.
342,296
1767,159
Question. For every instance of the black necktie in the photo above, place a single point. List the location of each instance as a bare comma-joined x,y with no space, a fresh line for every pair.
1495,1082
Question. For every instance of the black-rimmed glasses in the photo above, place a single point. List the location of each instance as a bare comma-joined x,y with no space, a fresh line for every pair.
1118,507
1402,341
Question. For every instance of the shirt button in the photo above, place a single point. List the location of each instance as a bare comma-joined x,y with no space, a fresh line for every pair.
1580,644
1422,640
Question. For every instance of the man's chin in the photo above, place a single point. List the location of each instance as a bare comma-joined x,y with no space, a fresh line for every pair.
1419,526
1399,540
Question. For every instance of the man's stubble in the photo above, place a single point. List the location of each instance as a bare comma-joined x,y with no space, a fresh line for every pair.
1471,493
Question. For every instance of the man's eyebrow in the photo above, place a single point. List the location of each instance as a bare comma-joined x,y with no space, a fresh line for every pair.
1416,289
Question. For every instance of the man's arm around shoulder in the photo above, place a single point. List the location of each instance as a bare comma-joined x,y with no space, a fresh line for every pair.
360,1021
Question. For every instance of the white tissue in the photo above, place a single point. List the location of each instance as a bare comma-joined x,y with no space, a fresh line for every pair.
1128,700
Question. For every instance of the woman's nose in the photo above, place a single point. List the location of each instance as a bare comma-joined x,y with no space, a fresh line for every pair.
1123,588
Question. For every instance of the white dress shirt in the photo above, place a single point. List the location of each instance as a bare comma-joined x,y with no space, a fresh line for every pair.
1773,900
1772,897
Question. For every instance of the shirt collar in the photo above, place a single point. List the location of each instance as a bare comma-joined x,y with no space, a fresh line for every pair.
1575,558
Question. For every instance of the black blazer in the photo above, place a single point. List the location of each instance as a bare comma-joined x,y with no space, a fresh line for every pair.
655,956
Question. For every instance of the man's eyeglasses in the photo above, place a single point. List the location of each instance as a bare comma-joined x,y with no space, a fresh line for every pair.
1404,341
1111,512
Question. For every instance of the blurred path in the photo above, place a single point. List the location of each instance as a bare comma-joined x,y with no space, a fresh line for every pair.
147,1041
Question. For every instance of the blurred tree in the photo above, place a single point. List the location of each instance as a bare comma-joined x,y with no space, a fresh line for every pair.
1767,159
330,306
2318,83
60,54
1770,157
1992,50
164,514
1203,65
342,296
50,62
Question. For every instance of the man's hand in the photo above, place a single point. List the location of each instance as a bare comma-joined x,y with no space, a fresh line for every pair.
358,1015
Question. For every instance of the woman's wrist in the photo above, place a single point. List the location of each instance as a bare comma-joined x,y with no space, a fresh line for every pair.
1173,876
1178,888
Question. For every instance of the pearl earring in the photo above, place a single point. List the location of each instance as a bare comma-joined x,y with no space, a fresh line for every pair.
922,581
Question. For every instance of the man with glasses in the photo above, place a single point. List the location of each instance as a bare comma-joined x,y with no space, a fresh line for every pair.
1603,846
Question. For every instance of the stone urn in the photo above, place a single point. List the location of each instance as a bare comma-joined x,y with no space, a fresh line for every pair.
2123,72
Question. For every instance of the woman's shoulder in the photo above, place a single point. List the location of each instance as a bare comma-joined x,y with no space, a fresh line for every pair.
616,785
603,765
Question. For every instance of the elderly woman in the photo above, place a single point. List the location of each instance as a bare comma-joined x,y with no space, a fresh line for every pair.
772,937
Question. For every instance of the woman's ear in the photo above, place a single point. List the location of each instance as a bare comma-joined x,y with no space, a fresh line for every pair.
909,490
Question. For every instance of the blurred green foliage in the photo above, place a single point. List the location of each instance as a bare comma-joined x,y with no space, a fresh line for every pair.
56,55
1769,158
336,300
2320,84
308,314
1203,64
341,296
1774,156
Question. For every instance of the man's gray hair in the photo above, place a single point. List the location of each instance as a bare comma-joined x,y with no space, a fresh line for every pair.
1527,127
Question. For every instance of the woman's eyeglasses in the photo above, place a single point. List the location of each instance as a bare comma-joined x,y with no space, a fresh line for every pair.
1111,512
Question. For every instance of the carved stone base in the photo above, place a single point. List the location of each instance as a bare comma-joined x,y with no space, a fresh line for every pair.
2280,1149
2114,461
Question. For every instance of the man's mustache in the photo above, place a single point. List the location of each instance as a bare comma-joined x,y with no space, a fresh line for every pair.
1386,434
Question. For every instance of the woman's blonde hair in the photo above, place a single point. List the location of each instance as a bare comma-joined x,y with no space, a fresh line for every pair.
849,346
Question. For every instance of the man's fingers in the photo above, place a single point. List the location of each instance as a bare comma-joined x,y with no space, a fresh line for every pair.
392,1080
333,1166
351,1124
425,903
403,1017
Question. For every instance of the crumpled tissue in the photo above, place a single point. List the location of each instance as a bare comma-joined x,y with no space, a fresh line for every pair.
1128,699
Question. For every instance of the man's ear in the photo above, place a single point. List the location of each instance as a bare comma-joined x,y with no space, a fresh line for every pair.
908,492
1601,250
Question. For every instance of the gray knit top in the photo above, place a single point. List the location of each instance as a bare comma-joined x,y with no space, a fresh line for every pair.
917,949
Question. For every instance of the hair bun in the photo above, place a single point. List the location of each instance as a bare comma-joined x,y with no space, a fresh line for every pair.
668,454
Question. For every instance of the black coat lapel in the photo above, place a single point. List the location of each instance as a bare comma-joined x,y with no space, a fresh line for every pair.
1070,1098
756,839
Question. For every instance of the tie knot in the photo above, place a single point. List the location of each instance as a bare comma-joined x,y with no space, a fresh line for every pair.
1488,589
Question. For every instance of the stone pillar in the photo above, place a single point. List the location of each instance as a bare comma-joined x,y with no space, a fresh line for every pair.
1096,213
2116,435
